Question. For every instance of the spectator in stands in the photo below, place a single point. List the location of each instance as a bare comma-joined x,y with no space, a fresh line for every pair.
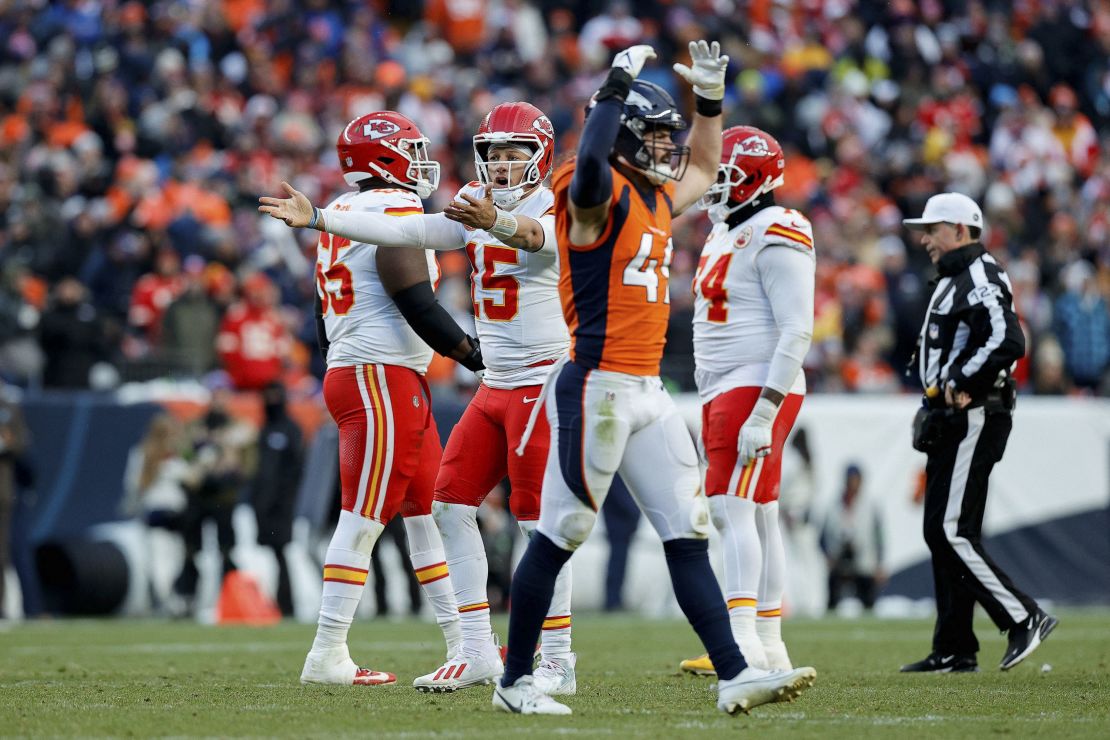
190,322
1083,327
253,342
274,490
852,540
74,337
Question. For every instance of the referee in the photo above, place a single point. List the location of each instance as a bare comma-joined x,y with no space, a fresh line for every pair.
969,343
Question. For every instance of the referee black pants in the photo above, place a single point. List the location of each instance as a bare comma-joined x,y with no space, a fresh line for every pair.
955,500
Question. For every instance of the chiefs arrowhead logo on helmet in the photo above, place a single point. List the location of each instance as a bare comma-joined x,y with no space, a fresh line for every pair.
378,129
543,125
753,146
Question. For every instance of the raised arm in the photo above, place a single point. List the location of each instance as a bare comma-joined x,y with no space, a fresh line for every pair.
416,231
591,188
707,77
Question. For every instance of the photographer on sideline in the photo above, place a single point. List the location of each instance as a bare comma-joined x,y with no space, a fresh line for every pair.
969,343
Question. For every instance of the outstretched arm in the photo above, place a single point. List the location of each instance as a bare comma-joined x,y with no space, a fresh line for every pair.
417,231
707,77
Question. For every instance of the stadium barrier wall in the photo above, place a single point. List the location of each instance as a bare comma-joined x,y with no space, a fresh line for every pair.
1047,520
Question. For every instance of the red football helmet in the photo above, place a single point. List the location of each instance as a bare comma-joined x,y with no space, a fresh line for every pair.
521,124
390,146
752,164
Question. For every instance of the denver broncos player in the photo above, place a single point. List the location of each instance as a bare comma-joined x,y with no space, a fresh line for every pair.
752,326
606,406
375,306
506,224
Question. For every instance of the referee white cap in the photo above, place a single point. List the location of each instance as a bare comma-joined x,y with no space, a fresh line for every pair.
948,208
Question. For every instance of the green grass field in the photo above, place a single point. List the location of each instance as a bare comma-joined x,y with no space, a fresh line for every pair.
140,679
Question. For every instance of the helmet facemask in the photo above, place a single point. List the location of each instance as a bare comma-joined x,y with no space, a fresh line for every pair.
658,162
508,194
422,174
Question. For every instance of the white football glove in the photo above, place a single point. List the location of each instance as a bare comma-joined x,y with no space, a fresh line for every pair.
755,435
632,59
707,76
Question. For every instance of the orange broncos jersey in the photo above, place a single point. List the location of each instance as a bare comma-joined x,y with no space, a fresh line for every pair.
615,294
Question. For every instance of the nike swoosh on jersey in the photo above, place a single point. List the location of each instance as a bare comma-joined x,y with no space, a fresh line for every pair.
530,400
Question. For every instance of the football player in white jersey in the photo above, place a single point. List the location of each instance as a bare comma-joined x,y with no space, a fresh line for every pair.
505,221
380,324
753,322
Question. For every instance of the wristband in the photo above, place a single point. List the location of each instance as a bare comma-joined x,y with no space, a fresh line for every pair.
316,216
504,225
617,85
706,107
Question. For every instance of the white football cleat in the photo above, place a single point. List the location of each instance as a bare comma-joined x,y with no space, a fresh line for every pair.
754,686
555,676
524,698
461,672
337,669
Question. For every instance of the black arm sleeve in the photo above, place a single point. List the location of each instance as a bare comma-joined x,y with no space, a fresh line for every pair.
321,332
433,324
592,183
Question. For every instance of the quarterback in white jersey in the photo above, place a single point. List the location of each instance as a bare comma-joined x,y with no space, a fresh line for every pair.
378,322
505,221
753,321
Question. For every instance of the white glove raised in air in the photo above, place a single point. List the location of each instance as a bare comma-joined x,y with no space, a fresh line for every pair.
707,75
755,435
632,59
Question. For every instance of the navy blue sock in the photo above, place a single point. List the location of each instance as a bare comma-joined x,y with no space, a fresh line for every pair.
700,597
533,585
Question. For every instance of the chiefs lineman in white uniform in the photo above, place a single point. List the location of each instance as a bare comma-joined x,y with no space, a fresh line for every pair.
753,322
505,221
376,306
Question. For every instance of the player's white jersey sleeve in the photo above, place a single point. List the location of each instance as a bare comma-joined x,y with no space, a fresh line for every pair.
517,311
736,329
363,324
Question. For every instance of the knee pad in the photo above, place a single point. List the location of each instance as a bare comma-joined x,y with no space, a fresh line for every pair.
356,533
575,527
453,519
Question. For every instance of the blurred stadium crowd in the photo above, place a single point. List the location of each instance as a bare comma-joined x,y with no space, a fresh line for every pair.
136,137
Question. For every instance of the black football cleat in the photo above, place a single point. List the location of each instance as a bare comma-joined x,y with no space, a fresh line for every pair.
1026,637
937,663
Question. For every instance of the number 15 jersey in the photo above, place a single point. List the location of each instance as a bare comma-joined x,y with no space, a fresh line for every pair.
615,293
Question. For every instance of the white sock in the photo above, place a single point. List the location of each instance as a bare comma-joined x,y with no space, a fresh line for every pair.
430,563
555,637
345,568
735,519
772,583
466,557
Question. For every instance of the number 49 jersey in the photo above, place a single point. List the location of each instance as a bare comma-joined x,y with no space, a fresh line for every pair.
517,312
363,324
734,326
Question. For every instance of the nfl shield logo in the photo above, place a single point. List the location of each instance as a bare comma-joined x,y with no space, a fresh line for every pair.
934,331
743,238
